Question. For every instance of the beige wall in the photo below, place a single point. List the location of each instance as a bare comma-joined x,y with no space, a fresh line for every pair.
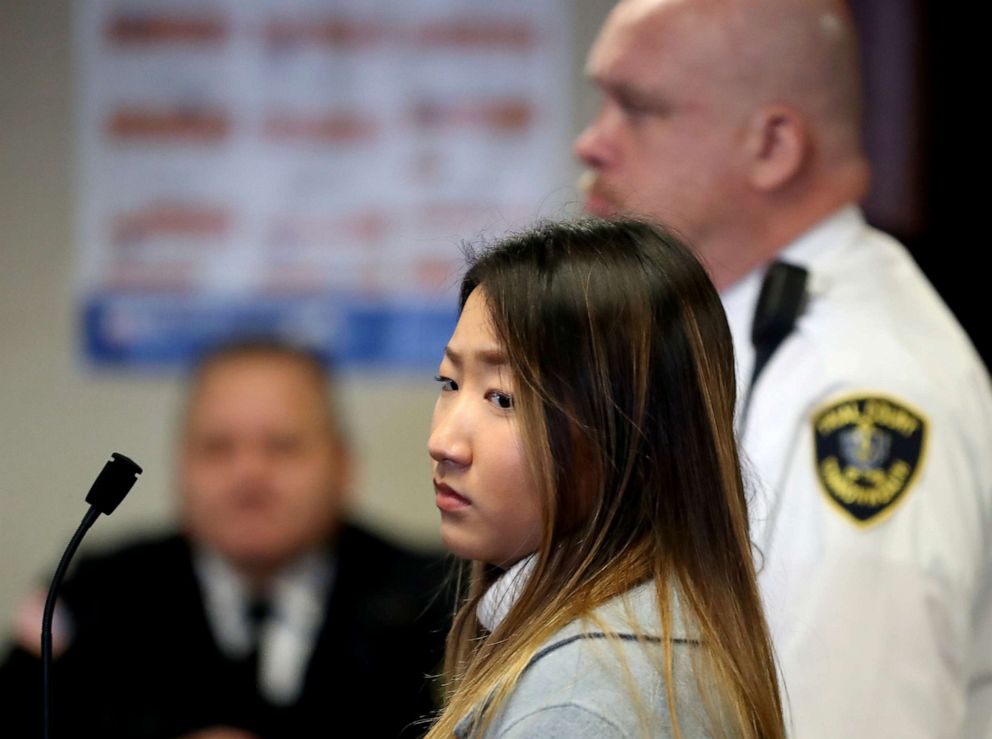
59,421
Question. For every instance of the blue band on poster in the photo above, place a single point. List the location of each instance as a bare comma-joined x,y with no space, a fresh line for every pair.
149,332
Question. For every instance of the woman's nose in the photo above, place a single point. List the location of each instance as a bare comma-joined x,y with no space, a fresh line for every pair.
450,438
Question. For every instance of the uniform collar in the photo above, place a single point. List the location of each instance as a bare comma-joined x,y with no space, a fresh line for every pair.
829,235
811,251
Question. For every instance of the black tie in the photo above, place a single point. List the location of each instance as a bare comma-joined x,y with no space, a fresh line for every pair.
780,303
257,611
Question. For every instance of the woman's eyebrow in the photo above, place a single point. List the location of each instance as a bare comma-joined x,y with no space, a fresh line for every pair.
494,356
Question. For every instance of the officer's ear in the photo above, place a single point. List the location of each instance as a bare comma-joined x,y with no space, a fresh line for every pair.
777,145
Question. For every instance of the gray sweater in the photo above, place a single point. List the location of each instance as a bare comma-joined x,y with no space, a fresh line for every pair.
578,686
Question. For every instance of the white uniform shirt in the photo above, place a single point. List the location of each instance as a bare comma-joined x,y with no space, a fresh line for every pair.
881,615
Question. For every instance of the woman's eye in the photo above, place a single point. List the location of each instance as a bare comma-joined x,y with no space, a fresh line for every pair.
447,384
503,401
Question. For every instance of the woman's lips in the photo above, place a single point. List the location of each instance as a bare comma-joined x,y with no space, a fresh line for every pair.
447,499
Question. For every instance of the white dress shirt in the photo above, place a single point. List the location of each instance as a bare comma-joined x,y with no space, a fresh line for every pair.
288,634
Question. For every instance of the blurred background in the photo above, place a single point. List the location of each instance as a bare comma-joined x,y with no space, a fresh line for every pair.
166,175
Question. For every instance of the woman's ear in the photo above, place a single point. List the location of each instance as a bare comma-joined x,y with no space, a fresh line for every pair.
777,146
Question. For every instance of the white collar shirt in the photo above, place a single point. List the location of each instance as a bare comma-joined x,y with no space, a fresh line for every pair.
288,633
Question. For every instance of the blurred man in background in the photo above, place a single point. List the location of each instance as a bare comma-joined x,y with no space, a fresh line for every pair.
864,411
269,615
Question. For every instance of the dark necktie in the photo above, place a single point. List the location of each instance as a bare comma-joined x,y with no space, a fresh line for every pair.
257,611
780,303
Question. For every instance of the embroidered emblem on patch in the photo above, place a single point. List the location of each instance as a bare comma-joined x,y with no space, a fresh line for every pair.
869,450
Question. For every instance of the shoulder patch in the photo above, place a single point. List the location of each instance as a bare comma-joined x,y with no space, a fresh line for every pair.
869,449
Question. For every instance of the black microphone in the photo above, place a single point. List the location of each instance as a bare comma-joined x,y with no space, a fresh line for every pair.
114,481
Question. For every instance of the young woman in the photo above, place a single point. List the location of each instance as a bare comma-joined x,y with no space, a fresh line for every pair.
584,461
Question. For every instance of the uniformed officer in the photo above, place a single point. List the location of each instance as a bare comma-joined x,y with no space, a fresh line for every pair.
864,410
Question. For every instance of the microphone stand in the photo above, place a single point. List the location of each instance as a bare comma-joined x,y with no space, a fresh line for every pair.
109,489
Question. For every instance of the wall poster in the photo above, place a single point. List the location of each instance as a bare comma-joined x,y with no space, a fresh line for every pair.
305,167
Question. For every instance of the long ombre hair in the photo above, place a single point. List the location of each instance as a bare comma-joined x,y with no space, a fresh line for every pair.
624,376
